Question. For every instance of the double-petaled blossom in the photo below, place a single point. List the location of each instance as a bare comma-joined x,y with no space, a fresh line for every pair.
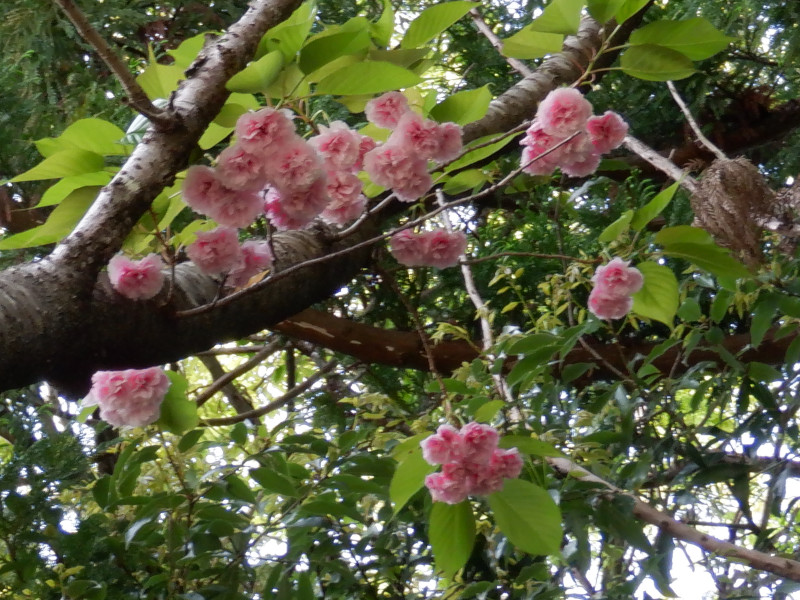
296,208
136,279
563,112
295,165
265,130
205,193
347,203
472,464
397,167
130,398
387,109
216,252
437,248
607,131
339,146
614,284
239,169
256,257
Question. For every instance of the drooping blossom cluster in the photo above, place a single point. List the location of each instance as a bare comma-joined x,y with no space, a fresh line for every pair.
472,464
401,164
563,113
614,284
136,279
130,398
218,252
437,248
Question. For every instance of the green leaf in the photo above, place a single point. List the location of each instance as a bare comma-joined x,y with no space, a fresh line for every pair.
652,209
452,535
382,29
94,135
62,189
697,246
323,50
258,75
529,43
560,16
528,517
533,342
487,411
288,37
370,77
695,38
434,20
656,63
159,81
273,481
603,10
463,107
58,225
617,228
690,310
178,413
465,180
658,298
408,478
628,8
73,161
529,445
190,439
763,314
188,50
473,156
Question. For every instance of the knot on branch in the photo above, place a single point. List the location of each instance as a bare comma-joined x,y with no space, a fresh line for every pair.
731,202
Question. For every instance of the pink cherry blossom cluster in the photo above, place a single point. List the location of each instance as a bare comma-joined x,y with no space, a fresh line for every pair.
561,114
130,398
437,248
614,284
218,252
472,464
402,162
301,179
136,279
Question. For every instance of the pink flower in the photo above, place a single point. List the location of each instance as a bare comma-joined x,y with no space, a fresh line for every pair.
386,110
508,463
617,278
239,169
536,142
443,248
408,248
484,479
256,257
365,144
578,157
450,142
563,112
341,211
295,209
295,165
389,164
279,218
343,186
480,441
129,398
206,194
414,185
445,446
420,136
264,130
216,252
446,489
609,306
136,279
607,131
338,145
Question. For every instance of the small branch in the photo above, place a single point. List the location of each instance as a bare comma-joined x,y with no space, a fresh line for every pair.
234,373
693,124
661,163
137,98
275,404
784,567
588,261
495,41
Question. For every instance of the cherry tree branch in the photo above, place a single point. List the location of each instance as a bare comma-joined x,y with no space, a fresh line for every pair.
137,98
693,124
495,41
784,567
661,163
228,377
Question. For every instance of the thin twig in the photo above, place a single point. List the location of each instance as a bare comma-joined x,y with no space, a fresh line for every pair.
137,98
234,373
693,124
785,567
588,261
661,163
275,404
495,41
366,243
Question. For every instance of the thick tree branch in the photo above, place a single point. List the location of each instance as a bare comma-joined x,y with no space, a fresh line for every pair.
784,567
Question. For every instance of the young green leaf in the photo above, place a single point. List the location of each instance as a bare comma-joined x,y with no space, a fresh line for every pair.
658,298
463,107
258,75
529,43
434,20
452,535
178,413
408,478
371,77
695,38
560,16
617,228
64,163
528,517
653,208
656,63
603,10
